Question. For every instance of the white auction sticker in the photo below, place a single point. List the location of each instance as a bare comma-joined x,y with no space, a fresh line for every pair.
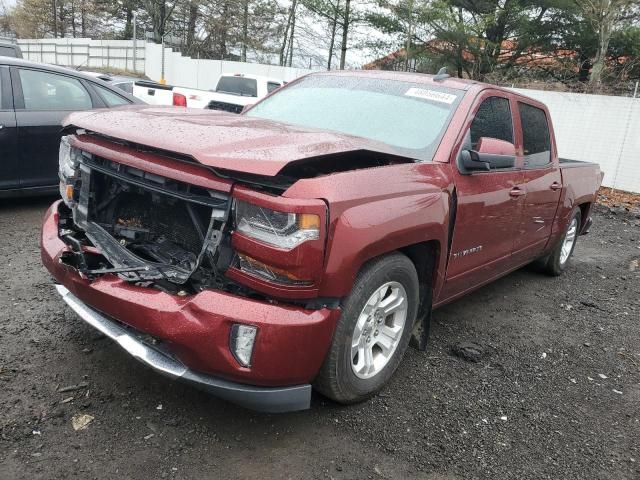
431,95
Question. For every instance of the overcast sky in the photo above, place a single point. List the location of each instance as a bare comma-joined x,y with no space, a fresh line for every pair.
311,44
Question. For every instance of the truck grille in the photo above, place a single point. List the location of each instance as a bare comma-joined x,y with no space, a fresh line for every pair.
147,223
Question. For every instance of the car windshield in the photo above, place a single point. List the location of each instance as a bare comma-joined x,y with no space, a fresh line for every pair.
247,87
409,117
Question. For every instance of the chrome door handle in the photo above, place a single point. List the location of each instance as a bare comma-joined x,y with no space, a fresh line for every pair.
517,192
555,186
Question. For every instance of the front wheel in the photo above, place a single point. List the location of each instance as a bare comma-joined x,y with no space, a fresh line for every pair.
373,331
558,259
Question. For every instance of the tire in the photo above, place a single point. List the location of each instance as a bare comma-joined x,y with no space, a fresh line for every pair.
558,259
346,378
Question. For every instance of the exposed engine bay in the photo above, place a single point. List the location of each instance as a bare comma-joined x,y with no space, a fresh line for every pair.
147,229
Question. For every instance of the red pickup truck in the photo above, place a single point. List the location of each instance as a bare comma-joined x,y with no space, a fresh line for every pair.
302,242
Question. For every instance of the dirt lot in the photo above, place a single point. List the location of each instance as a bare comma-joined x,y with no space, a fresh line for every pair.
555,395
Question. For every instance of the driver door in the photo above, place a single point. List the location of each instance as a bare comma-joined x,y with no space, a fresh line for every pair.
489,204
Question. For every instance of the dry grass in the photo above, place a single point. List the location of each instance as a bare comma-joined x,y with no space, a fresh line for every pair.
618,198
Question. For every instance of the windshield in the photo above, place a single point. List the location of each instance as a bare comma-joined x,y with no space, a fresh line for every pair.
410,117
247,87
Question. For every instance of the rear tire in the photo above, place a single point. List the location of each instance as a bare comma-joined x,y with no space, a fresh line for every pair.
558,259
373,331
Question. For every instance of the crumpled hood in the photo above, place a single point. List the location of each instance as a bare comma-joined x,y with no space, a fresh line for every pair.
218,139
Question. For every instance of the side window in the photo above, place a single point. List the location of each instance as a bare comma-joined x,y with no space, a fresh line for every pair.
493,120
51,91
110,98
271,86
535,136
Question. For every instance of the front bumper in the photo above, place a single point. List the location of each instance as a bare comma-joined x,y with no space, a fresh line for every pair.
290,347
264,399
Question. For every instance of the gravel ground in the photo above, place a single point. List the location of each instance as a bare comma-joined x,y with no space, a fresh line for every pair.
556,393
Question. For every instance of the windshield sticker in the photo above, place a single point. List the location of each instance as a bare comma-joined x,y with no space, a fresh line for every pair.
431,95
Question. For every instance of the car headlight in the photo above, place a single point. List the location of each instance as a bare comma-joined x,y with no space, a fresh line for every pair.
68,162
279,229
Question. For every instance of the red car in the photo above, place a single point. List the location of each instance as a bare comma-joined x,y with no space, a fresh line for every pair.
301,243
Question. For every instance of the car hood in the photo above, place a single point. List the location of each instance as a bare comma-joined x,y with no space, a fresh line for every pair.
218,139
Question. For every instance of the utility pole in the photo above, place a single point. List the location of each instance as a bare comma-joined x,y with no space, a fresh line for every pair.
293,28
162,79
135,42
55,20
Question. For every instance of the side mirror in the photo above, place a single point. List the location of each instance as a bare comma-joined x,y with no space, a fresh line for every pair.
490,153
246,107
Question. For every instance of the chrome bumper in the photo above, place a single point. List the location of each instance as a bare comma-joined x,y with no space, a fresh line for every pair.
264,399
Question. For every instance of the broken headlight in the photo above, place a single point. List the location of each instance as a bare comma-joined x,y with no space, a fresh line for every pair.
279,229
68,162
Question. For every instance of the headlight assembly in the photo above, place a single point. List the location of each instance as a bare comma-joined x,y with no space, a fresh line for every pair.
279,229
68,163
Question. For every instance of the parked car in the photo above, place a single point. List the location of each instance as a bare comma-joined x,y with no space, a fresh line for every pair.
35,99
301,242
123,82
233,92
8,49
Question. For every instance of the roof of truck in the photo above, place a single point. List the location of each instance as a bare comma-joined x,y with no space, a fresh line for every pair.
449,82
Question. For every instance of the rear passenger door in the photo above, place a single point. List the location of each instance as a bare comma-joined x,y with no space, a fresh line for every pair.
9,163
42,100
543,182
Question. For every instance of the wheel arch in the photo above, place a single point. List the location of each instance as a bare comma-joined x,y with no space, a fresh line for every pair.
585,211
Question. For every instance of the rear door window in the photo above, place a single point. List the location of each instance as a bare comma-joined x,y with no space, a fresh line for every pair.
246,87
492,120
110,98
51,91
535,136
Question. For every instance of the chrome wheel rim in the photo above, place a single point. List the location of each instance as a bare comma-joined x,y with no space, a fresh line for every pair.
378,330
569,240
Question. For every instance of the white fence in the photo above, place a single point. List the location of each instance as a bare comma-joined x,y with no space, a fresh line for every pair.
85,53
598,128
595,128
203,74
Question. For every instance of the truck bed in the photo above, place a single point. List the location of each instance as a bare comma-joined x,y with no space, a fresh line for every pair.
569,163
580,179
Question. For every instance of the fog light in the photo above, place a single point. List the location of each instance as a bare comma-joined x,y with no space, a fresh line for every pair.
241,343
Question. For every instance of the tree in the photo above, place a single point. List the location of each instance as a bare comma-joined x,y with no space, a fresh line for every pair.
603,16
287,36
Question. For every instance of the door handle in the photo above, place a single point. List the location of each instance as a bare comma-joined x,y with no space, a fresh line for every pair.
517,192
1,126
555,186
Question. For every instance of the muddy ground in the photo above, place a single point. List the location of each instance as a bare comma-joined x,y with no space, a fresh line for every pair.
556,394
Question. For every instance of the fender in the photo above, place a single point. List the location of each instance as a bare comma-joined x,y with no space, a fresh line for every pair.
369,230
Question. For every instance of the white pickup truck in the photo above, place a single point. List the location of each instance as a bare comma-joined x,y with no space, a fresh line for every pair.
232,93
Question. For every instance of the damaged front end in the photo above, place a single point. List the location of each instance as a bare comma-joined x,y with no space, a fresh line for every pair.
145,228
